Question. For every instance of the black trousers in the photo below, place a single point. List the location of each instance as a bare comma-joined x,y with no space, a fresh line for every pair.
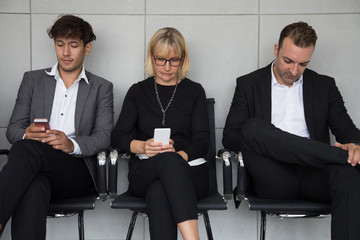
34,174
171,188
286,166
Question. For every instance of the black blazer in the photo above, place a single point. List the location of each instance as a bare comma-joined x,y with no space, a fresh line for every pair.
323,106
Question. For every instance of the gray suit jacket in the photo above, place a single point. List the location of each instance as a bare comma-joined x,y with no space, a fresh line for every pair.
93,112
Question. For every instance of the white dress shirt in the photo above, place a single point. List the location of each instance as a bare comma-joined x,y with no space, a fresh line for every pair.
62,116
287,107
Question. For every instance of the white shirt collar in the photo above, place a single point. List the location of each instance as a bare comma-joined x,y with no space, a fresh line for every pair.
275,82
55,72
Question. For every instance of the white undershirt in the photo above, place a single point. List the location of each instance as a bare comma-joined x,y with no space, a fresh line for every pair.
287,107
62,116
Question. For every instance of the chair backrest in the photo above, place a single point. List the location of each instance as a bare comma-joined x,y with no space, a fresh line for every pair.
211,153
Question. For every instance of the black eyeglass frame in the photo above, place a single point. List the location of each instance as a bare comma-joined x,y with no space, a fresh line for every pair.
168,60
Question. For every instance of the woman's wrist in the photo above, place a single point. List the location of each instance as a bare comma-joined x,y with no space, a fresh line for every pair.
137,146
183,155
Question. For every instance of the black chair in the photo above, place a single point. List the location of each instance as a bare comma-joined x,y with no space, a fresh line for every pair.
272,207
136,204
72,206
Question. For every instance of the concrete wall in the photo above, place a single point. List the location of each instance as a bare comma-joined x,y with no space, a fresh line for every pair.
226,39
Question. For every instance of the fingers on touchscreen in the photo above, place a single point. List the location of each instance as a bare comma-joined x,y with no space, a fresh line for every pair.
42,122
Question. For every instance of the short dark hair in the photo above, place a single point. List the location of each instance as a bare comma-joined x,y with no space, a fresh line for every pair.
70,26
301,33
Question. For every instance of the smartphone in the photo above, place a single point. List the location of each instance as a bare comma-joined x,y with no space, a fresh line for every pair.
42,122
162,135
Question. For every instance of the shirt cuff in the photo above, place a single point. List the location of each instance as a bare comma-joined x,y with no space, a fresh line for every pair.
77,150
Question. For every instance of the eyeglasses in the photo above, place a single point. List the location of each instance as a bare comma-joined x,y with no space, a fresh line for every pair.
174,62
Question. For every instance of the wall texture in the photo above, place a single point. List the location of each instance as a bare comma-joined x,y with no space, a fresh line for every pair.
226,39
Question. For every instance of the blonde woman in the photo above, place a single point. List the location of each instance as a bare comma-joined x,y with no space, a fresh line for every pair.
172,176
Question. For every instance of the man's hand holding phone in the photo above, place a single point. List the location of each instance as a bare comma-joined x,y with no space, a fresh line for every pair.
42,122
58,140
37,130
40,130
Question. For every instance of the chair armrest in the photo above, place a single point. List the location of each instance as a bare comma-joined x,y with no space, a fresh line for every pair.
3,157
4,151
113,173
243,179
101,175
225,156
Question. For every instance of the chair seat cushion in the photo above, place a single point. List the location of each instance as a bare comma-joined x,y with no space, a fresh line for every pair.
86,202
287,206
214,201
128,201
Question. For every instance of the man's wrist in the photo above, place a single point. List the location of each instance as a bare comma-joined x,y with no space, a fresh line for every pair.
77,150
72,147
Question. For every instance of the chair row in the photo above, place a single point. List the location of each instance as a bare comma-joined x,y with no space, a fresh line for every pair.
272,207
107,177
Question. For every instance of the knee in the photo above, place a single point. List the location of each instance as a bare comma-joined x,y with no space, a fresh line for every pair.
27,153
23,145
344,178
171,160
26,148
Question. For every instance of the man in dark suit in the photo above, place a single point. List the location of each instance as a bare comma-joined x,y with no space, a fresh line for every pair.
280,118
59,162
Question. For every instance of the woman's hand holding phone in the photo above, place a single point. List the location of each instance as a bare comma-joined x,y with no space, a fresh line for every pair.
153,148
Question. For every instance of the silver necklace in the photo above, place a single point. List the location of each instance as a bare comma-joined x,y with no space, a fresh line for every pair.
169,103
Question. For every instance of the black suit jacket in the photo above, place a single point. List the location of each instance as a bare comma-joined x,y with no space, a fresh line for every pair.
323,106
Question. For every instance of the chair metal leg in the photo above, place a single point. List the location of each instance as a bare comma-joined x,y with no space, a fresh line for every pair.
263,225
207,225
81,225
132,225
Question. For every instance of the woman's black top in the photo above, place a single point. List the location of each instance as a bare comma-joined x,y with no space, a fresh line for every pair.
187,116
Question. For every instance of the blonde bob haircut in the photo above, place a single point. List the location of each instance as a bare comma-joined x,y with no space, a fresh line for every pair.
162,43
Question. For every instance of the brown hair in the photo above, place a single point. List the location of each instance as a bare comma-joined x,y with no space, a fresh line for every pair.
70,26
302,34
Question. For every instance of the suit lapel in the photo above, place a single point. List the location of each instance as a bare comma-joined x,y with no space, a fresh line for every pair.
265,93
82,96
308,101
49,87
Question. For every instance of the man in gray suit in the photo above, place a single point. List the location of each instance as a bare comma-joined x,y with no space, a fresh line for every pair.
58,162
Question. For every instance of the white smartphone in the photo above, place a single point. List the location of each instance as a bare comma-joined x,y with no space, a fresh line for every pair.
42,122
162,135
